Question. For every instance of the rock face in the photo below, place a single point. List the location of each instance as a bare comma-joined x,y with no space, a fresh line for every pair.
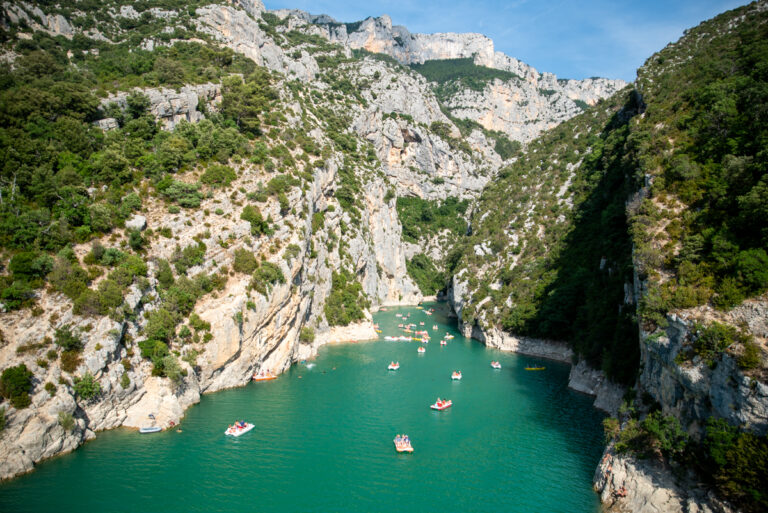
521,108
693,392
170,106
626,485
583,378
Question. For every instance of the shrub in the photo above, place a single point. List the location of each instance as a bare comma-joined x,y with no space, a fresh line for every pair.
67,340
307,335
318,220
87,387
265,276
161,325
190,256
245,262
218,175
66,421
16,384
259,226
155,350
2,419
70,361
164,273
714,339
125,380
346,301
750,358
50,388
291,252
172,369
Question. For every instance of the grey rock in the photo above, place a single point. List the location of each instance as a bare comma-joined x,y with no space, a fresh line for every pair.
136,222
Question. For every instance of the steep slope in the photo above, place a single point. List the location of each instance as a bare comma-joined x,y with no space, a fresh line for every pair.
191,195
655,197
521,103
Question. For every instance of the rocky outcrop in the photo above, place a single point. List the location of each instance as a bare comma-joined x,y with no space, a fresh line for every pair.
627,485
169,106
693,391
585,379
521,107
36,19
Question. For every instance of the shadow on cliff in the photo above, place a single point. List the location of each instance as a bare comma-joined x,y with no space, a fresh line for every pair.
590,303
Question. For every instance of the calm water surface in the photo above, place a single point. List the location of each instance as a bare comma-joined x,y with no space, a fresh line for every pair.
514,441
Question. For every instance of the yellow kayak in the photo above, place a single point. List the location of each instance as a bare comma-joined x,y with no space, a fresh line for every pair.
535,368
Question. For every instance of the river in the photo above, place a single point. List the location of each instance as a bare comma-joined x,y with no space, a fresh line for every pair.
514,441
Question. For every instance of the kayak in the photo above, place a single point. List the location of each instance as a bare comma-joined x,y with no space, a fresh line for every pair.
535,368
456,375
443,343
421,349
391,338
448,337
151,429
393,366
496,365
264,376
239,431
442,405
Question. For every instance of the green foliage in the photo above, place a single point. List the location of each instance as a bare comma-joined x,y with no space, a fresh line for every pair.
66,421
67,340
16,384
291,252
713,339
451,75
318,221
190,256
750,358
422,218
244,262
307,335
259,226
70,360
347,301
87,387
425,274
702,143
265,276
244,101
161,325
737,464
217,175
186,195
125,380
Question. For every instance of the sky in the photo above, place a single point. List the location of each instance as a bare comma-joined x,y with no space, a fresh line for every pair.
570,38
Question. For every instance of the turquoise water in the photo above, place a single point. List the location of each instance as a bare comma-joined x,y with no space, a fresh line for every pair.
514,441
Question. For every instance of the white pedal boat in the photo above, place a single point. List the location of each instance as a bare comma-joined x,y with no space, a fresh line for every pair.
239,431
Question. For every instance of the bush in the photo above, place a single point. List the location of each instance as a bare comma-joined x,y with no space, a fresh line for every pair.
245,262
425,274
190,256
259,226
750,358
50,388
164,274
16,384
218,175
161,325
307,335
714,339
70,361
87,387
155,350
738,464
67,340
265,276
346,301
66,421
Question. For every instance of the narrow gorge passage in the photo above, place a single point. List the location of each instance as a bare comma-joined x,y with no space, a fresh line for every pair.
513,441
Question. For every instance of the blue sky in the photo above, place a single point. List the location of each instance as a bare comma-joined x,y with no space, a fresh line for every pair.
573,39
